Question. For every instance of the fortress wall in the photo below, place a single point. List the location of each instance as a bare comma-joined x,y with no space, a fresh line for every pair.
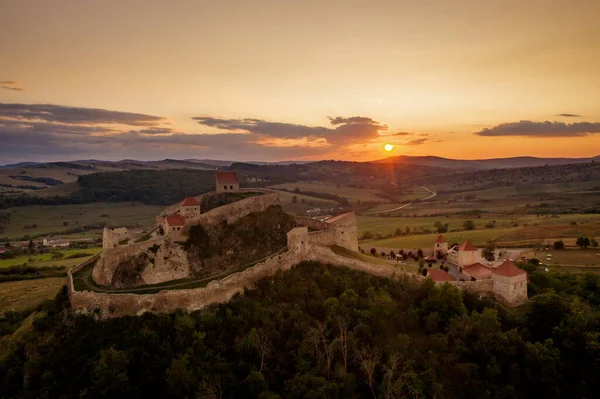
311,223
112,237
77,268
236,210
219,291
116,305
111,257
485,286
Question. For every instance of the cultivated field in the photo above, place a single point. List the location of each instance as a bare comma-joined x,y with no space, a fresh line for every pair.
46,259
46,219
353,194
569,260
21,295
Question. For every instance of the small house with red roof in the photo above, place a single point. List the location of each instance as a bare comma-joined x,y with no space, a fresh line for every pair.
173,225
510,284
439,276
468,254
189,208
440,245
477,271
227,182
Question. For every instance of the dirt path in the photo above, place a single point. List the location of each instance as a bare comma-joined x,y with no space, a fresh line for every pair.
403,206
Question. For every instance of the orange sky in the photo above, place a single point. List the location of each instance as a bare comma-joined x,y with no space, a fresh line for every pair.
437,70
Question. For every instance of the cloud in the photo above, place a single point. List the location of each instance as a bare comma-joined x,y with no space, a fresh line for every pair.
415,142
11,85
76,115
344,130
569,115
541,129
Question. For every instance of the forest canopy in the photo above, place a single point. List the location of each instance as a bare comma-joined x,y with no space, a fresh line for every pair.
318,331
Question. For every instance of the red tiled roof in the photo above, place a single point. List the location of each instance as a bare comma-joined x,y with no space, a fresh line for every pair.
190,201
227,178
478,270
467,246
439,275
440,240
336,217
509,269
430,259
175,220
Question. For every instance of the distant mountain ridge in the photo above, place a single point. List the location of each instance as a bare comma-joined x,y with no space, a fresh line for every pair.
208,164
483,164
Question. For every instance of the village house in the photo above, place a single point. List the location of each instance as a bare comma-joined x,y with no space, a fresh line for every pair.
477,271
55,243
173,225
227,182
440,245
189,208
439,276
510,284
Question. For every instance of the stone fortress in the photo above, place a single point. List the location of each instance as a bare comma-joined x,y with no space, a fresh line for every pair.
310,239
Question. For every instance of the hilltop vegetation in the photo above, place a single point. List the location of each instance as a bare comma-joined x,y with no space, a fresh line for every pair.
318,332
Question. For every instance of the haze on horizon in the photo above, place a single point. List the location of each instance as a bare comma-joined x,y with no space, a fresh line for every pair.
283,79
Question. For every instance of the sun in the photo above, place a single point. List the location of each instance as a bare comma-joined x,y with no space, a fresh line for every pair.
388,147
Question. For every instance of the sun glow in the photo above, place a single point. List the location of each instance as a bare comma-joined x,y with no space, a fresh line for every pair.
388,147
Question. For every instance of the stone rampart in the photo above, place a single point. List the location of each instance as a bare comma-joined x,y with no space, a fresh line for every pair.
111,257
314,224
236,210
116,305
112,237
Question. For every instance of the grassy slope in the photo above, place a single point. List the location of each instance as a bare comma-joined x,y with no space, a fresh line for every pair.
410,265
20,295
52,218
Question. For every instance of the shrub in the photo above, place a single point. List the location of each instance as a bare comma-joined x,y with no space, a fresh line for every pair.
559,244
373,251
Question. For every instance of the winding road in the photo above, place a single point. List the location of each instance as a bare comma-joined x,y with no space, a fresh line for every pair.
403,206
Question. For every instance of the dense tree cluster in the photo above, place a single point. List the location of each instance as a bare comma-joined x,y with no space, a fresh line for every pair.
319,332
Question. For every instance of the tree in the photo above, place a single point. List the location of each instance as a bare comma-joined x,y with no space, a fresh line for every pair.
594,243
441,227
31,245
488,251
294,199
558,245
296,190
469,225
583,242
373,251
398,232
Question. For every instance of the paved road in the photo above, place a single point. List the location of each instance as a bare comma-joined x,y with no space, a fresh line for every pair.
403,206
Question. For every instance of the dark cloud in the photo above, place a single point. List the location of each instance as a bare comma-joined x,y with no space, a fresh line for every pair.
569,115
416,142
76,115
157,130
399,134
346,129
11,85
12,88
541,129
340,120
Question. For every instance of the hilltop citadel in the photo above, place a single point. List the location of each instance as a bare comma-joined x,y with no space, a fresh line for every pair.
176,266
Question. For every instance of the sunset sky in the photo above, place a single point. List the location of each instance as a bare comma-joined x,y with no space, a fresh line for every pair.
298,79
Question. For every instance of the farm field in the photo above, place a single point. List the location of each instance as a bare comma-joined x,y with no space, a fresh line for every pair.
388,225
299,207
46,219
504,237
353,194
21,295
46,259
569,260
